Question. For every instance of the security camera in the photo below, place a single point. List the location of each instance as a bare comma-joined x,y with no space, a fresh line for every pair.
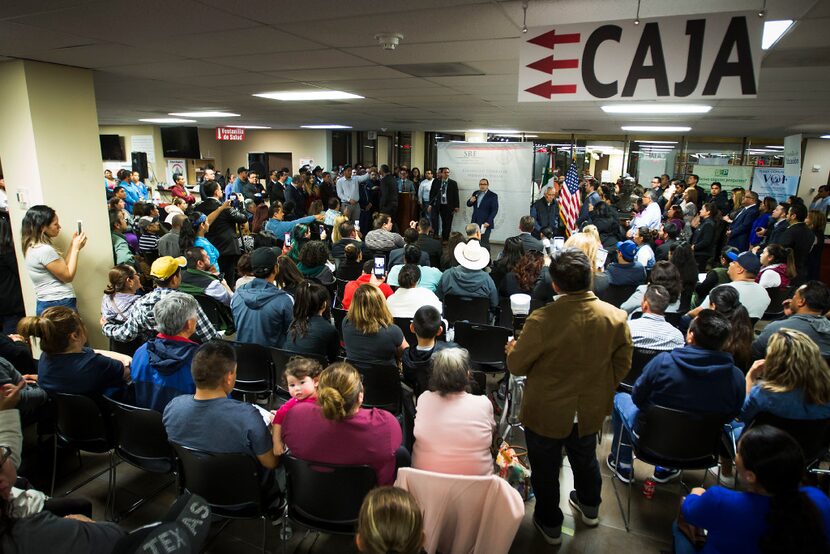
388,41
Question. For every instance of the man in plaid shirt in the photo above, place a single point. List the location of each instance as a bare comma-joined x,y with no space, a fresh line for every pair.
167,275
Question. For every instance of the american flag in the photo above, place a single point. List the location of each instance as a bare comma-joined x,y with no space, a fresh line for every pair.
570,200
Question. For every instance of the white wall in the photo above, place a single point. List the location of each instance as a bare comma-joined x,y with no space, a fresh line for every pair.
315,145
816,152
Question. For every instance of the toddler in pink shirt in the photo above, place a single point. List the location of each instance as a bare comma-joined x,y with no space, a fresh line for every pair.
301,376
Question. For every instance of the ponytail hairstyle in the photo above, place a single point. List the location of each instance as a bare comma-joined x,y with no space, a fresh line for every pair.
188,232
309,299
648,235
727,302
793,523
778,254
298,239
53,327
390,520
33,228
118,278
352,253
338,391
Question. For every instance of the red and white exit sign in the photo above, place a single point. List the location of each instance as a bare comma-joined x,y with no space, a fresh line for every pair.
230,133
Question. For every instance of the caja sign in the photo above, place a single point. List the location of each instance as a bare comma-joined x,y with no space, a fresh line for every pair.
683,58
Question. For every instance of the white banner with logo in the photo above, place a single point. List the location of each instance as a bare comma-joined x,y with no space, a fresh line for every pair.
772,181
792,156
690,57
508,166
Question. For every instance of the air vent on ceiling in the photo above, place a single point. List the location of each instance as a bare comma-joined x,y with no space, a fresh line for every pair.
436,69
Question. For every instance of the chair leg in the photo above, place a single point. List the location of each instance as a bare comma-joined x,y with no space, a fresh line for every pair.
54,465
111,490
264,534
626,516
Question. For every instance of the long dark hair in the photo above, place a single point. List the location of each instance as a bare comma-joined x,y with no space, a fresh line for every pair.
309,299
739,344
794,523
683,258
32,230
6,242
528,268
513,252
666,274
187,234
289,277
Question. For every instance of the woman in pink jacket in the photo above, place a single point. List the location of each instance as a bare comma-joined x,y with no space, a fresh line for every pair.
453,429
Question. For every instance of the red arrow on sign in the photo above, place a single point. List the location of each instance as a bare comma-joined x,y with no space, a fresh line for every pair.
547,65
548,89
551,39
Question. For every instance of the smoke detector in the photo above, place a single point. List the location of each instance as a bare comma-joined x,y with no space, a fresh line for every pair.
388,41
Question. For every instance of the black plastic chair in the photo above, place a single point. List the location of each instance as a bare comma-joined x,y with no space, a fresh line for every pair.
675,439
775,310
460,308
408,334
339,314
340,289
128,347
326,497
81,424
230,483
217,313
280,358
141,441
640,357
381,386
813,435
254,370
485,343
617,294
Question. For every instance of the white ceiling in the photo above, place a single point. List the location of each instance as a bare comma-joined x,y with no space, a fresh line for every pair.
152,57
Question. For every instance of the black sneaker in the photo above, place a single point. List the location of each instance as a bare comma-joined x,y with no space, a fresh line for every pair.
623,473
552,535
588,514
665,474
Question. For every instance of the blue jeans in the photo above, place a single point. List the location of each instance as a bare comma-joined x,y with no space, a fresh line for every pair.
68,302
682,545
624,411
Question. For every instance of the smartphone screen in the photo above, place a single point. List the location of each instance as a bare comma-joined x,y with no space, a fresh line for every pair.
357,224
602,255
80,227
380,266
558,243
287,239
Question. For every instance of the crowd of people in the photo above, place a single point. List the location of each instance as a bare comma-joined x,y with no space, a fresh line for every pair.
314,264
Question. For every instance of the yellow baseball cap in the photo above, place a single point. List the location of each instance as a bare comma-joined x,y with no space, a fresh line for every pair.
166,266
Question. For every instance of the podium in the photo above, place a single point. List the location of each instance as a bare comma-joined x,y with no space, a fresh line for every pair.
407,210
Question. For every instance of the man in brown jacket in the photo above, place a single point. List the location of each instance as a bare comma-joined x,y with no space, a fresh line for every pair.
574,352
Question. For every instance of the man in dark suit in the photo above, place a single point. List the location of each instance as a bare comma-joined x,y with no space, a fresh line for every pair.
224,221
742,225
485,206
529,242
428,244
295,193
388,193
800,238
444,202
275,187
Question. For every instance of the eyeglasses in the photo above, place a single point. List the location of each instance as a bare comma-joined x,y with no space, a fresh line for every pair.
5,454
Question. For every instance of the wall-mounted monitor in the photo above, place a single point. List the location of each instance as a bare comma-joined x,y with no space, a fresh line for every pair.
112,148
180,142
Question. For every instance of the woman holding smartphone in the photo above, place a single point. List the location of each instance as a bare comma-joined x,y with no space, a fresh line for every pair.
51,273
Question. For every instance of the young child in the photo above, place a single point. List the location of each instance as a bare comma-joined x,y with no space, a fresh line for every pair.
148,243
301,376
427,326
333,212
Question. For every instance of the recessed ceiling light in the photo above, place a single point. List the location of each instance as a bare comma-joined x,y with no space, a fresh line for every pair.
654,129
167,120
656,108
501,132
325,126
300,96
656,141
204,114
773,31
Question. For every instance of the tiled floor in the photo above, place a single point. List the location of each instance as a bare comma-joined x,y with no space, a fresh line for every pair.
650,530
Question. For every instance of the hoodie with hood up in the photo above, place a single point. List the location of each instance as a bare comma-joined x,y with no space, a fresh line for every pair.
161,371
817,327
694,379
262,313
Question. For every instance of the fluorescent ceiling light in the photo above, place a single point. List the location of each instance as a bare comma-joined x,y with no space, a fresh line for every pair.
775,147
825,136
519,136
494,131
167,120
250,127
654,129
308,95
325,126
204,114
656,141
774,30
656,108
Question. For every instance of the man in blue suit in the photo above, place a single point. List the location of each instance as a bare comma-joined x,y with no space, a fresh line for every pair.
485,206
742,224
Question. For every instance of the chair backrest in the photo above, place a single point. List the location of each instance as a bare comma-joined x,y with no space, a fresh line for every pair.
326,497
217,313
254,369
381,386
80,421
674,318
678,439
460,308
229,482
341,289
339,314
484,342
813,435
408,334
776,302
640,357
140,437
617,294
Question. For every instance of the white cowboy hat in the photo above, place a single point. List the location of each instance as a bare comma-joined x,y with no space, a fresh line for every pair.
471,255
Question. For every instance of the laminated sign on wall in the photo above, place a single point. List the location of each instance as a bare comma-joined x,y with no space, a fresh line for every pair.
673,58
